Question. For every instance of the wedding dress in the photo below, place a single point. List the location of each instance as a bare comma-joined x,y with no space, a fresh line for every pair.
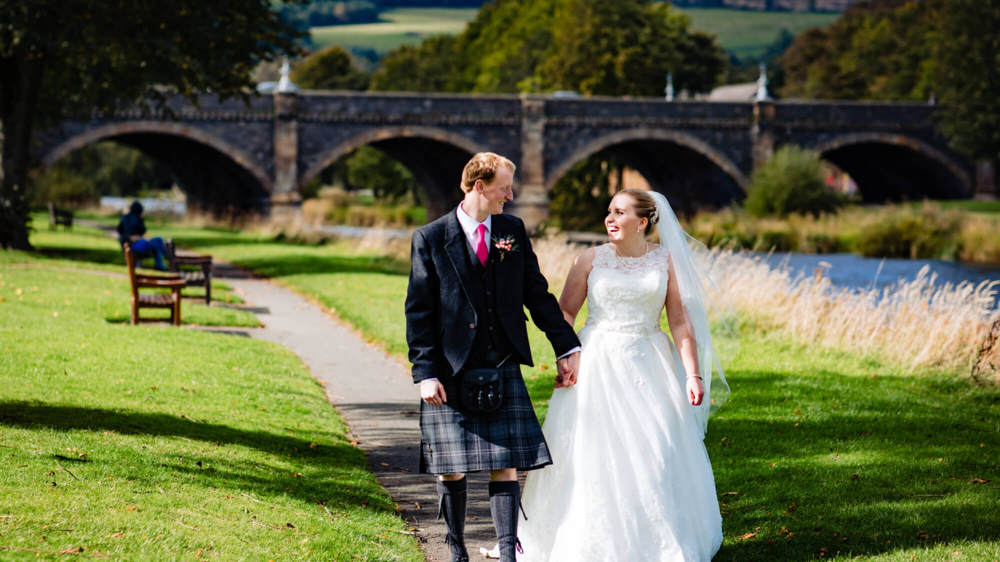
630,479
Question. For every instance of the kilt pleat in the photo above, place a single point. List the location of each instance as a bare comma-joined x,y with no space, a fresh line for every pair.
453,442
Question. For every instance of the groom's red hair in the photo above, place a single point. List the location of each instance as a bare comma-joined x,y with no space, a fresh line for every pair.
483,166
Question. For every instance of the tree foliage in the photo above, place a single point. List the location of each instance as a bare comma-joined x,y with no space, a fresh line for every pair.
61,57
910,50
329,69
590,46
968,76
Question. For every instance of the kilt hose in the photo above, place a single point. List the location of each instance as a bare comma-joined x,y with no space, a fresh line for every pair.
454,442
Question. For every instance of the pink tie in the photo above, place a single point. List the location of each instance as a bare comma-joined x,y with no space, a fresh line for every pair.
481,252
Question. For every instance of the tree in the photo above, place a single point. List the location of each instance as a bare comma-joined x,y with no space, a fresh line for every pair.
968,76
874,51
64,57
907,50
790,182
329,69
427,67
590,46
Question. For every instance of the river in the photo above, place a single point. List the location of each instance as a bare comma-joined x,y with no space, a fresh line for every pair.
855,272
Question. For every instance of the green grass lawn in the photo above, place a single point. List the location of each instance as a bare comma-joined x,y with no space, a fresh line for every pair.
819,454
153,443
745,33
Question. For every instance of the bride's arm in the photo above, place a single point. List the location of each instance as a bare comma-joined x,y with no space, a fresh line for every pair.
575,290
683,336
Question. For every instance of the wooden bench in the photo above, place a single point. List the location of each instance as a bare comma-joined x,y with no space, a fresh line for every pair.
171,300
194,269
59,216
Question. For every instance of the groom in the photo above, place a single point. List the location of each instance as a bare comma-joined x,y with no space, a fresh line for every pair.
472,273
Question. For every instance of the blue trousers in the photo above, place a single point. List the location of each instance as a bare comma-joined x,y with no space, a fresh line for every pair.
154,246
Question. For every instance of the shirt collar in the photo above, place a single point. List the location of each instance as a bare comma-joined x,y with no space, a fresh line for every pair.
469,224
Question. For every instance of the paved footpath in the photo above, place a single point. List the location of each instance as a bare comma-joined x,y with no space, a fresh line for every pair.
375,395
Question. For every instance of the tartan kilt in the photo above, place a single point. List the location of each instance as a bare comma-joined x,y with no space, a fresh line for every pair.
454,442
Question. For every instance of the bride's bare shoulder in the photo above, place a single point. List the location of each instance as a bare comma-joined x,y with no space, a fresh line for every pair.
586,258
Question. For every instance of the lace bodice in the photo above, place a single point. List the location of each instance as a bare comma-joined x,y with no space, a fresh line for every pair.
627,294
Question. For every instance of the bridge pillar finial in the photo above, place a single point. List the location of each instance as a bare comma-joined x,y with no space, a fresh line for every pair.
532,202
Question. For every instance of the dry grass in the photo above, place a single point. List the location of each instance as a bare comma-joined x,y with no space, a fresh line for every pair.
916,324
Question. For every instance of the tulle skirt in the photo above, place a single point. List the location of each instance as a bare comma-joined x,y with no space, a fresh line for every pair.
631,479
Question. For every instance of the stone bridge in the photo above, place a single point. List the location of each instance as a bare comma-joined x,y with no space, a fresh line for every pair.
258,155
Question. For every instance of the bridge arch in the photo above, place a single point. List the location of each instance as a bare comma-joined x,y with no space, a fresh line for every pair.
128,128
435,157
884,166
655,153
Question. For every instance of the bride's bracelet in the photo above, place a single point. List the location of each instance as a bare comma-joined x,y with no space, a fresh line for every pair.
695,376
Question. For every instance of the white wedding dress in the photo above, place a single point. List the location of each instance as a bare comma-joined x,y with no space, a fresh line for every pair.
630,479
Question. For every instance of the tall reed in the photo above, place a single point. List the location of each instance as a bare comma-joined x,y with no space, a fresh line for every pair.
916,324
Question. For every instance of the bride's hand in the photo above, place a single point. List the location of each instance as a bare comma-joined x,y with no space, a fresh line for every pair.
695,390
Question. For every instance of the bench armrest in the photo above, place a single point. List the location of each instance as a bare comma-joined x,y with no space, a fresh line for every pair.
192,259
159,282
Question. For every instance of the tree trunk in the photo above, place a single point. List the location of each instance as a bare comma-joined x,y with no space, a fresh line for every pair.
20,80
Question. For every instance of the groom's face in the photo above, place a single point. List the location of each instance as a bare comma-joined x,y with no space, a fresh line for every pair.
499,190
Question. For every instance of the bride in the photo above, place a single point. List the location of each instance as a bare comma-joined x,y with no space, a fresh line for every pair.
631,479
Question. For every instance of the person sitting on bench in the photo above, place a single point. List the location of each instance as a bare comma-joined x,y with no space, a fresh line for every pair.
131,229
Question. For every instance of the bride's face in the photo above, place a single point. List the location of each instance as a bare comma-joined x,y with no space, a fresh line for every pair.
622,223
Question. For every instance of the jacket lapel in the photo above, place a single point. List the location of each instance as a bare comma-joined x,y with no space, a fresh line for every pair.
454,247
499,231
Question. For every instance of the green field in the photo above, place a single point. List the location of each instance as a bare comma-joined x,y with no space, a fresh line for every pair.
402,26
745,33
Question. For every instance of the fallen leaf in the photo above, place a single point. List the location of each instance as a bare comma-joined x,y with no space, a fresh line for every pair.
118,534
747,536
297,475
132,507
55,314
730,493
74,550
979,481
854,477
312,445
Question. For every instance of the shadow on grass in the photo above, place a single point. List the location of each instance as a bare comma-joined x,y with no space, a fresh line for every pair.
76,253
335,486
829,464
282,266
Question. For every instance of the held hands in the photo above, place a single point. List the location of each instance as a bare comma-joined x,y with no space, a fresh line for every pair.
432,392
568,367
695,389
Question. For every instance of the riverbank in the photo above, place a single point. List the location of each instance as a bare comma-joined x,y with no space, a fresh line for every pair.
966,231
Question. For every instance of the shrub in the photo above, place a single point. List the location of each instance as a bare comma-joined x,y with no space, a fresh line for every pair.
924,233
791,182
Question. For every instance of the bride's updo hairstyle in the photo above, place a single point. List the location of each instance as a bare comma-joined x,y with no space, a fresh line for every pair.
644,205
483,166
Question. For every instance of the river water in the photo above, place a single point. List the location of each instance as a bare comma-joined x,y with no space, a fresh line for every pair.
855,272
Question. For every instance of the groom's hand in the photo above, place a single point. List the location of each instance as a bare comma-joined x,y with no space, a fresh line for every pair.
432,392
568,367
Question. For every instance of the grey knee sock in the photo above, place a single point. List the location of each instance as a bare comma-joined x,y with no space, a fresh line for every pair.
505,498
452,497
